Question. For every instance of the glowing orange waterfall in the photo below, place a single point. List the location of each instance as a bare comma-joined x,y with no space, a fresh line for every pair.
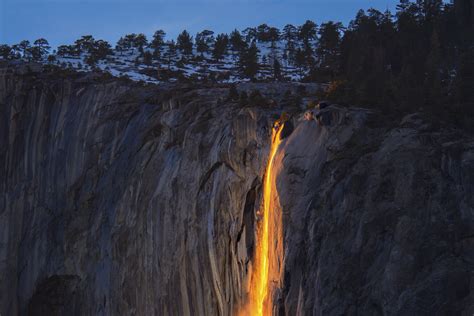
269,244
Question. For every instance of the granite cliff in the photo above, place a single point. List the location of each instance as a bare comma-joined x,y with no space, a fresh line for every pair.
122,199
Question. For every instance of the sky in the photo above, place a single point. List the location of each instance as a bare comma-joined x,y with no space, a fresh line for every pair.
63,21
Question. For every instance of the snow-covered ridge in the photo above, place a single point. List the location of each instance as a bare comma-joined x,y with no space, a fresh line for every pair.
200,66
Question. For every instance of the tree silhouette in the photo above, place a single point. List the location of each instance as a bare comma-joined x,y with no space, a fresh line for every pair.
220,46
24,47
140,41
42,47
158,42
5,51
248,62
204,41
185,43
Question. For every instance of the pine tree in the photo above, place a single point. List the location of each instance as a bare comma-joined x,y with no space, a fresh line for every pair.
308,33
147,58
285,58
237,43
43,47
5,51
204,41
250,35
273,36
248,62
328,50
262,33
90,61
290,35
140,41
300,60
170,53
99,50
67,50
129,42
24,47
158,41
276,70
220,47
16,51
85,43
185,43
122,45
35,53
102,49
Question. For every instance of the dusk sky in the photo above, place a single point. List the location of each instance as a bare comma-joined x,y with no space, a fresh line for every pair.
63,21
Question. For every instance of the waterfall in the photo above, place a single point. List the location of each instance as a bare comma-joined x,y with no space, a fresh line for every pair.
266,271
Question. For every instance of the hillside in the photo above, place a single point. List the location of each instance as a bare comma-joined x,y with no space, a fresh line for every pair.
197,67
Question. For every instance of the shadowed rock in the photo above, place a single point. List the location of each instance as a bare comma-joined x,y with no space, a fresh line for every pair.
142,200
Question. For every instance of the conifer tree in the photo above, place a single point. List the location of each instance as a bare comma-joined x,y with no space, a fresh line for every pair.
129,42
262,33
24,47
5,51
300,60
277,70
308,33
236,41
328,49
147,58
185,43
290,36
16,51
220,46
34,53
273,36
85,43
158,42
43,46
170,53
250,35
204,41
140,41
248,62
122,45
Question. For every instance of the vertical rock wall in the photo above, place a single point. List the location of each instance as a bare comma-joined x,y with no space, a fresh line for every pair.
378,217
125,200
119,199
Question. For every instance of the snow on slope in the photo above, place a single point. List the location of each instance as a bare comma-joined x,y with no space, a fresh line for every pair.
130,64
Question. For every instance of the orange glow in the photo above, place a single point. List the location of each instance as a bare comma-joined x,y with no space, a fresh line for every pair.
266,268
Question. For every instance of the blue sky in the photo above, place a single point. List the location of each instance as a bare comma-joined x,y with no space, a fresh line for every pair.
63,21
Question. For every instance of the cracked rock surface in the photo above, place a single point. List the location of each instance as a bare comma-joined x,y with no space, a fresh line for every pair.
117,199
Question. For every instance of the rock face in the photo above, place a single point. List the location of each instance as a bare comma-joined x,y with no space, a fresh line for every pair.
379,221
117,199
